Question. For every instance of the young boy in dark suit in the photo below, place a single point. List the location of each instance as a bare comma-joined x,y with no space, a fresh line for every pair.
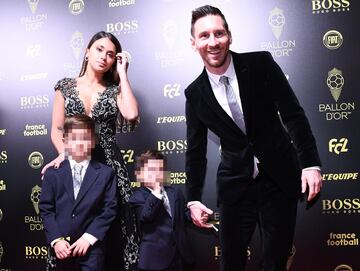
161,216
78,201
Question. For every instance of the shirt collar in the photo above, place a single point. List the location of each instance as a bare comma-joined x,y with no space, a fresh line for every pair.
230,72
84,163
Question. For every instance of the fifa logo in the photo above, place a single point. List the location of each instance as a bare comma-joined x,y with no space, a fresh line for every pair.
76,6
332,39
172,91
35,160
338,146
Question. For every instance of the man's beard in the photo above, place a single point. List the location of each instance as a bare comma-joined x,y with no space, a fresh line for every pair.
219,64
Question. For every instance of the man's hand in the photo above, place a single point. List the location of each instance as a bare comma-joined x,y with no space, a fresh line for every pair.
80,247
62,249
200,215
312,178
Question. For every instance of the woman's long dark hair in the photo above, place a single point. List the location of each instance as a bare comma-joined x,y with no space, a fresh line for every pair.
111,76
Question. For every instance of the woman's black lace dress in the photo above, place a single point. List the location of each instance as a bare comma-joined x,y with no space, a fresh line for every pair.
122,241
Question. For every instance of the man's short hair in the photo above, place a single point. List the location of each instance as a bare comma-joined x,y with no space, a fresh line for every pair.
79,121
205,11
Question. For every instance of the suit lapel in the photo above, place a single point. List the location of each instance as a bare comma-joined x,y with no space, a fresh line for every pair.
90,176
67,179
210,99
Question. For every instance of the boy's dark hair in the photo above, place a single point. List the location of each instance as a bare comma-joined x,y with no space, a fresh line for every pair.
205,11
146,156
79,121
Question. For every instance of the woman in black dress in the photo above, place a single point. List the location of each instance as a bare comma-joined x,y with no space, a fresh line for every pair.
103,92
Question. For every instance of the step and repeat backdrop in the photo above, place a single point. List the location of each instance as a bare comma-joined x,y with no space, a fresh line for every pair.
316,42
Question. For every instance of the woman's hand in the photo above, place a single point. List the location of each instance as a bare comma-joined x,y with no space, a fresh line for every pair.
122,63
54,163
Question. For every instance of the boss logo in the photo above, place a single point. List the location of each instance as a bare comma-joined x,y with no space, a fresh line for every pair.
217,252
34,101
339,204
125,27
3,156
328,4
35,251
179,146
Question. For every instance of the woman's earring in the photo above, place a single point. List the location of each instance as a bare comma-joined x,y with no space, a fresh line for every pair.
86,58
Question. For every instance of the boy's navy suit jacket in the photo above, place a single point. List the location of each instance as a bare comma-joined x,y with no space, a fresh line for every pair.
93,210
162,235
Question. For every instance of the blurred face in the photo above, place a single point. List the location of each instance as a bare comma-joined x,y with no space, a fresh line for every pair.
153,171
101,55
79,143
212,41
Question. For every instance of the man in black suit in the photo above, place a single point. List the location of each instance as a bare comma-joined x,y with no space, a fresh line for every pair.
78,201
268,152
161,216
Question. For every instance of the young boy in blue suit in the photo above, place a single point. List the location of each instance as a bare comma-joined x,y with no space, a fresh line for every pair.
161,216
78,201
